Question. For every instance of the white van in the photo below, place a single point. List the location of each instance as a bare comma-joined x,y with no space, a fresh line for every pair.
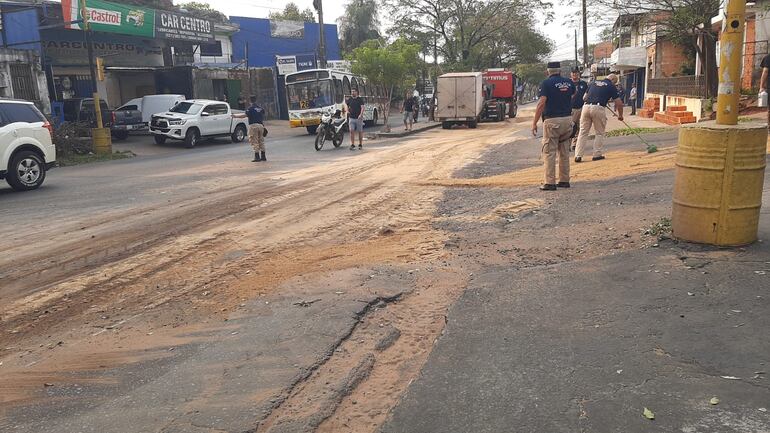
152,104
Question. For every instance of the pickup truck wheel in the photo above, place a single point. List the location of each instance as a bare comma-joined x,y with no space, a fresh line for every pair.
239,134
27,171
159,139
120,135
191,138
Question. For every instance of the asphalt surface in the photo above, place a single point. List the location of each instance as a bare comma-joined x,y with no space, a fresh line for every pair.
580,320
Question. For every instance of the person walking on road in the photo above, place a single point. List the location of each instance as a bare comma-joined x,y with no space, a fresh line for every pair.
600,92
577,103
407,109
256,115
354,107
632,99
555,107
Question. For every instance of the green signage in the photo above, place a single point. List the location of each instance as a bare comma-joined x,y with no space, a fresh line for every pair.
112,18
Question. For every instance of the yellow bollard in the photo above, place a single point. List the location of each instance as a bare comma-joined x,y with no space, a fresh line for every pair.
720,166
720,171
102,140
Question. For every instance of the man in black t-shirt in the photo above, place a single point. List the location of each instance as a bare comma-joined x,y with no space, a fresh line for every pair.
407,108
354,107
763,81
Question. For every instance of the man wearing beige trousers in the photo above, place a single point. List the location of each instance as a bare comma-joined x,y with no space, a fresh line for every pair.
599,93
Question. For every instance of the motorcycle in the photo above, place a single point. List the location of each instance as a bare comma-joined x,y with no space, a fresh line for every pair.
332,128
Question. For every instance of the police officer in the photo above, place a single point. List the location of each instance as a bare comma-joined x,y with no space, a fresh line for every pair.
256,115
577,103
600,92
555,107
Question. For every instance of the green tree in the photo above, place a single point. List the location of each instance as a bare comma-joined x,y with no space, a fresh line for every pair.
359,23
395,65
530,75
291,12
203,10
463,27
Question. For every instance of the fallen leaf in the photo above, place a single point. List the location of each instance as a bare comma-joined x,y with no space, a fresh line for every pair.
648,414
714,401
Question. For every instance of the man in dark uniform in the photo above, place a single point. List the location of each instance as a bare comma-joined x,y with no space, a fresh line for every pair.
600,92
555,107
256,115
577,102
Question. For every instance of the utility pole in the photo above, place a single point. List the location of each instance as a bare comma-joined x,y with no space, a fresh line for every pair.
102,140
318,4
248,69
585,35
576,51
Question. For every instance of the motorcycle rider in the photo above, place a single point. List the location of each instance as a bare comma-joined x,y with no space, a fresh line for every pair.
256,115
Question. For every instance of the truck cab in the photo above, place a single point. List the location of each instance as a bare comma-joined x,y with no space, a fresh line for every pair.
194,119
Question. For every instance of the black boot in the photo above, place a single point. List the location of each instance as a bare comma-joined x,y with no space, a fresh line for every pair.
264,158
256,157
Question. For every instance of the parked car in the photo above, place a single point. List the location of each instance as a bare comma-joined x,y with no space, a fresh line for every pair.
125,120
194,119
81,110
152,104
26,149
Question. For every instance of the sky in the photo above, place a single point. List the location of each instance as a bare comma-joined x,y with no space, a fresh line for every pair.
559,30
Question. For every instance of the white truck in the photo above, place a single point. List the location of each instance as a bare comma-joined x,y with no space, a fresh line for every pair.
194,119
459,99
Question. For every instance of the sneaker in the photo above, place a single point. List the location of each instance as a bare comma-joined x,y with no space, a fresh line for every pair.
360,147
563,184
352,147
597,158
578,159
548,187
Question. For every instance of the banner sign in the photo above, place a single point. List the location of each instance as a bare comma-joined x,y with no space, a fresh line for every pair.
132,20
286,64
171,25
287,29
66,48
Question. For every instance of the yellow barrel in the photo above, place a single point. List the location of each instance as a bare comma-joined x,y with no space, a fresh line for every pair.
102,140
720,171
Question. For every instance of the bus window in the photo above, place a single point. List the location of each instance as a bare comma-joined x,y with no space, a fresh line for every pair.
354,84
363,90
338,96
346,86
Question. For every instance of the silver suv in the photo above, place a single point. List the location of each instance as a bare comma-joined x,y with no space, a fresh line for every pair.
26,149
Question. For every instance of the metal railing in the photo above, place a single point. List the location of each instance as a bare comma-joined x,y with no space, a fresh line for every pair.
689,85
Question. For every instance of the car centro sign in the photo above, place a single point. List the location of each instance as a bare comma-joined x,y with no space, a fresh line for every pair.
137,21
171,25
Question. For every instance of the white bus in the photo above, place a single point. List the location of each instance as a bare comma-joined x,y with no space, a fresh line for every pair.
311,92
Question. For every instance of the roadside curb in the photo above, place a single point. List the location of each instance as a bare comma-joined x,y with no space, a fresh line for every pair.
405,133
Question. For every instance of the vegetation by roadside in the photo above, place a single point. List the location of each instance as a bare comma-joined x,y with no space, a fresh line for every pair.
77,159
632,131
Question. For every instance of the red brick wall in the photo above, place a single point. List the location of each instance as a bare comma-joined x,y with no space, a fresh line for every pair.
670,58
747,78
603,50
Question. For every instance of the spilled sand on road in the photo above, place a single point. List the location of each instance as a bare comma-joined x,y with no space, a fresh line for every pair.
618,164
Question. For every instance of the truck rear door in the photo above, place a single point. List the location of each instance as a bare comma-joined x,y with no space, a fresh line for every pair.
466,96
446,106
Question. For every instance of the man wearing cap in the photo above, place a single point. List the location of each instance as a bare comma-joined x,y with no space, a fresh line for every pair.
577,103
555,107
600,92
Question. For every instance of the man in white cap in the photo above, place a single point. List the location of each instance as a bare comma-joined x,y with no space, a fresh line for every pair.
599,93
555,107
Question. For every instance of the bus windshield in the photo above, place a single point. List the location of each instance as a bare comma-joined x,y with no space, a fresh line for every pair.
310,94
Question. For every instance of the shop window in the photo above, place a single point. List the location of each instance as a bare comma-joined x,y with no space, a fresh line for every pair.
213,49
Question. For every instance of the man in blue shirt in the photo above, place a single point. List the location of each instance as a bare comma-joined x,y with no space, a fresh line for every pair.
577,103
600,92
555,107
256,115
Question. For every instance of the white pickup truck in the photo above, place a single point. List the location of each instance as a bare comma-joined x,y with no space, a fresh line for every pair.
194,119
